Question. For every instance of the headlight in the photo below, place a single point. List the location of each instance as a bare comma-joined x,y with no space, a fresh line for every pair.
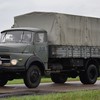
14,61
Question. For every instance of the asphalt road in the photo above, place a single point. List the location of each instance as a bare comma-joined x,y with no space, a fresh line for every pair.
43,88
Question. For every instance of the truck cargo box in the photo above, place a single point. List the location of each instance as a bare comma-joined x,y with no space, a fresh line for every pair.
63,29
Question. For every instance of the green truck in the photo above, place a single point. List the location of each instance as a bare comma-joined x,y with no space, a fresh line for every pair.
61,44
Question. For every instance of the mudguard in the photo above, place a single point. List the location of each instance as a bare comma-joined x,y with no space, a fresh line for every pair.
33,59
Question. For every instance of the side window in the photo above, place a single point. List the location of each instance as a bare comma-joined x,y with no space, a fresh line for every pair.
40,37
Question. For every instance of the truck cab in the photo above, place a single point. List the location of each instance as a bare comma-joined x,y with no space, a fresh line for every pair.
23,54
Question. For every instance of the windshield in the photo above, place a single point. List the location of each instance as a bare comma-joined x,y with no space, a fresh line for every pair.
16,36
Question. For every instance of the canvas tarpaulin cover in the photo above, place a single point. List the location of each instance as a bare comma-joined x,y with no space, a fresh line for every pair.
63,29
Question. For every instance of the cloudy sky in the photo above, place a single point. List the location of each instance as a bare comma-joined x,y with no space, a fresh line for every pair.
11,8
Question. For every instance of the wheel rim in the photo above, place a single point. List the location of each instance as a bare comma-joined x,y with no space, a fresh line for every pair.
34,76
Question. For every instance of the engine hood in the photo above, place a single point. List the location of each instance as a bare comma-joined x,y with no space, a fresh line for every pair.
13,48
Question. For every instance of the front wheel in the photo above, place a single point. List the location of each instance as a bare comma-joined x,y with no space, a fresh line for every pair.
32,77
90,75
58,77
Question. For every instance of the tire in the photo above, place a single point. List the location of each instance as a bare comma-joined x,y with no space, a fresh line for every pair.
3,82
83,78
90,75
58,77
33,77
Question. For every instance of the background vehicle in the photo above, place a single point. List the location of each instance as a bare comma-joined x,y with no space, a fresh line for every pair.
68,47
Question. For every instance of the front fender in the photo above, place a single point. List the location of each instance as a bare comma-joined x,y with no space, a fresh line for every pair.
33,59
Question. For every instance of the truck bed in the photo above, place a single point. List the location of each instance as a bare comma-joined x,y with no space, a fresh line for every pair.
67,51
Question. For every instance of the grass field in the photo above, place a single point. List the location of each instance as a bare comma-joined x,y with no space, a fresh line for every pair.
44,80
77,95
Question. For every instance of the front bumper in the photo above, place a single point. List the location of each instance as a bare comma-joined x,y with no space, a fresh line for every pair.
12,69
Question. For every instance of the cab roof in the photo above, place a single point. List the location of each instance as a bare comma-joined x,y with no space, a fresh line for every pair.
25,29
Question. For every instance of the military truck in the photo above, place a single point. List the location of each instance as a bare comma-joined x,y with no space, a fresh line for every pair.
62,44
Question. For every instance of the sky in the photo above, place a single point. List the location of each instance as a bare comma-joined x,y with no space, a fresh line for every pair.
11,8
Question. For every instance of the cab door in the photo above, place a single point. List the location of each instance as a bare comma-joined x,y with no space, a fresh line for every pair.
41,46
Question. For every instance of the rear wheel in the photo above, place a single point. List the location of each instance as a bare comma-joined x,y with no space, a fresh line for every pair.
58,77
90,75
33,77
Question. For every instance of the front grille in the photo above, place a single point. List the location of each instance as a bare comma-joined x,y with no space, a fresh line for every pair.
5,58
4,50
